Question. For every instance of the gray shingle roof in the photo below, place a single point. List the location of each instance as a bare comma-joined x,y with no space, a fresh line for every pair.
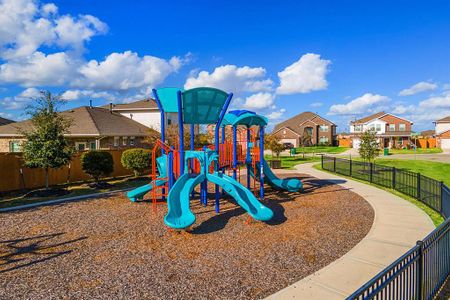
294,122
90,121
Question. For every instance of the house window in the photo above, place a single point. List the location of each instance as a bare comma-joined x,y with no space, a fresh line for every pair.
358,128
92,146
124,141
132,140
14,146
323,140
80,146
116,141
391,127
378,126
402,127
324,128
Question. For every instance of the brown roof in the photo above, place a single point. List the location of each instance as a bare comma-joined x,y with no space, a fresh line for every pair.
444,120
4,121
90,121
428,133
369,118
294,122
141,104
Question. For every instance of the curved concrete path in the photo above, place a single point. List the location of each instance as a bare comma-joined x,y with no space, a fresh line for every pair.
397,226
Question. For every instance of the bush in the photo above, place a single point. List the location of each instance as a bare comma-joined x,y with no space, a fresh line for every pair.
97,164
136,159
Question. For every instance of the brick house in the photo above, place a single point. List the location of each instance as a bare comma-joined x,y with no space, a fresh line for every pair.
93,128
306,128
442,130
392,131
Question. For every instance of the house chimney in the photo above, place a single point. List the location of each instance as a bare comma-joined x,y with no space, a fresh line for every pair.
90,103
110,107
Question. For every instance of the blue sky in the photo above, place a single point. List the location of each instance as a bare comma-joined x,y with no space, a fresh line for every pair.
342,59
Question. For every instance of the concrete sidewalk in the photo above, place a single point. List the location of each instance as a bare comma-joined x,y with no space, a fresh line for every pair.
397,226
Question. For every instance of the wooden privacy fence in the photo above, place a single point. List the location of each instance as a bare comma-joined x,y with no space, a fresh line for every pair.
14,176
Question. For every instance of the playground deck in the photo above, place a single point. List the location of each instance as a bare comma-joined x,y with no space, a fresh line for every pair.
111,248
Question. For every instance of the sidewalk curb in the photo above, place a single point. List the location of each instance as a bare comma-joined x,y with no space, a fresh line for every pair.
56,201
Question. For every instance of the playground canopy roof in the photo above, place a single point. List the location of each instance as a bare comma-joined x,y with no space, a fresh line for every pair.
243,117
200,105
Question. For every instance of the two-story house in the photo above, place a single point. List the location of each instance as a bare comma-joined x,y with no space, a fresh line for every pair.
306,129
392,131
144,111
442,130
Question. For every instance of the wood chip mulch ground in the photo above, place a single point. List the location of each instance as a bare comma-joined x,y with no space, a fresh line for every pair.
110,248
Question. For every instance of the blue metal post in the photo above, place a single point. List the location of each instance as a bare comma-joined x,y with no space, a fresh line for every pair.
234,151
170,169
248,158
261,162
163,132
181,137
216,145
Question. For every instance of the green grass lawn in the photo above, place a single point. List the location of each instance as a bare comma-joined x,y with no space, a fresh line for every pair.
288,162
15,199
321,149
435,216
418,151
437,170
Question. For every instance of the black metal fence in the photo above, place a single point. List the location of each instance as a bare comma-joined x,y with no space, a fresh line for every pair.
420,272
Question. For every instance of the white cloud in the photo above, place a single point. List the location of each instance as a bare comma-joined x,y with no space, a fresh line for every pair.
316,104
276,115
305,75
25,28
21,100
70,95
358,105
30,93
39,69
124,71
442,101
259,101
231,78
418,88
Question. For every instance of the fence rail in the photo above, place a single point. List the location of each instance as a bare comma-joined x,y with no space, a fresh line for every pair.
420,272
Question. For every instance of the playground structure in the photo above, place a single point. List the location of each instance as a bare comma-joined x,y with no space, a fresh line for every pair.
176,172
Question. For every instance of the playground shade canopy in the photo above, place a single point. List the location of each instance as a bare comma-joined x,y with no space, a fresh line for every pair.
168,98
243,117
202,105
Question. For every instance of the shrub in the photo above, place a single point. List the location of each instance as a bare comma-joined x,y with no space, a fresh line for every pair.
136,159
97,164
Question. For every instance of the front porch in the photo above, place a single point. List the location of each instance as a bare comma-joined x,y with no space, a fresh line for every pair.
395,142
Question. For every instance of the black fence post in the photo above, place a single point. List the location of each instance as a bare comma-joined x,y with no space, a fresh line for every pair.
371,172
418,186
441,210
322,160
351,167
394,173
420,271
334,164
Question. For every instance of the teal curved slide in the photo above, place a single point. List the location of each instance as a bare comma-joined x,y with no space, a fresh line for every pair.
288,184
242,195
179,214
138,193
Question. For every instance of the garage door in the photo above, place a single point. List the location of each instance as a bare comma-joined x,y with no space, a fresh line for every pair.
445,143
356,143
292,141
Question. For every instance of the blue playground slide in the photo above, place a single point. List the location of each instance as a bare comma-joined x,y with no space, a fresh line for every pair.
138,193
242,195
289,184
179,215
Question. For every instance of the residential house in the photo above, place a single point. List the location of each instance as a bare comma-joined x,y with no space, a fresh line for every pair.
392,131
144,111
4,121
307,129
443,132
92,128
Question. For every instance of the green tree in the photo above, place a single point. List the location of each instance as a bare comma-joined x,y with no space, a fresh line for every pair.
45,146
272,142
369,148
137,160
97,164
